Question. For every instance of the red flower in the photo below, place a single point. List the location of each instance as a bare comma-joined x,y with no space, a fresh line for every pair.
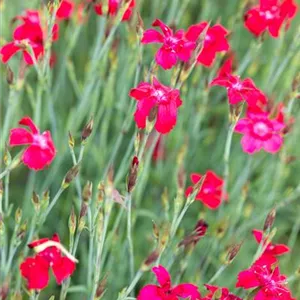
224,295
260,131
270,249
36,269
165,291
270,15
215,41
238,90
41,150
156,95
265,276
113,7
211,191
65,10
30,33
174,47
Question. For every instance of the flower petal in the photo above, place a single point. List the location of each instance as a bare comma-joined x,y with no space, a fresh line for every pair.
166,58
274,144
162,276
152,36
247,280
150,292
27,121
164,28
63,269
186,290
20,136
8,50
250,145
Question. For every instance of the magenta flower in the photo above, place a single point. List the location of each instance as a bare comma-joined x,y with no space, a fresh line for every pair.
260,131
156,95
165,291
270,15
215,41
174,47
238,90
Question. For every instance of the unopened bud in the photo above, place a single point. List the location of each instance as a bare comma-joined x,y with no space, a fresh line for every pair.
35,201
155,230
7,156
81,224
9,75
101,192
235,111
139,26
152,258
164,238
83,210
87,130
233,251
270,220
87,191
71,140
22,230
132,177
72,221
45,200
101,288
18,215
4,290
71,174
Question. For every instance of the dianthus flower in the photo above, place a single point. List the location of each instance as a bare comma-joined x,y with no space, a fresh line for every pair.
40,151
113,7
223,293
270,15
174,47
215,41
270,249
264,276
260,131
165,290
49,256
238,89
65,10
28,34
210,193
156,96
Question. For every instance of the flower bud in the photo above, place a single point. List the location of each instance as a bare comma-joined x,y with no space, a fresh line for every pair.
232,252
22,230
72,221
9,75
83,210
71,140
35,201
87,130
155,230
7,156
139,26
71,174
152,258
235,112
101,192
133,172
4,290
18,215
270,220
101,288
87,191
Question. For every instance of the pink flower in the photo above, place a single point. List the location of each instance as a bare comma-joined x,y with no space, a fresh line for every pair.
29,33
238,90
174,47
223,295
36,269
265,276
113,7
65,10
215,41
270,15
211,191
156,96
41,150
270,249
260,131
165,291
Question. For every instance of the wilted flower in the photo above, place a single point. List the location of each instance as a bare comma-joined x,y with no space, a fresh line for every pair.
174,47
211,191
270,15
41,150
36,269
265,277
156,95
260,131
165,291
215,41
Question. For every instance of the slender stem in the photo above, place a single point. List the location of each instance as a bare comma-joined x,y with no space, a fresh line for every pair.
135,280
6,192
53,202
217,274
129,235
